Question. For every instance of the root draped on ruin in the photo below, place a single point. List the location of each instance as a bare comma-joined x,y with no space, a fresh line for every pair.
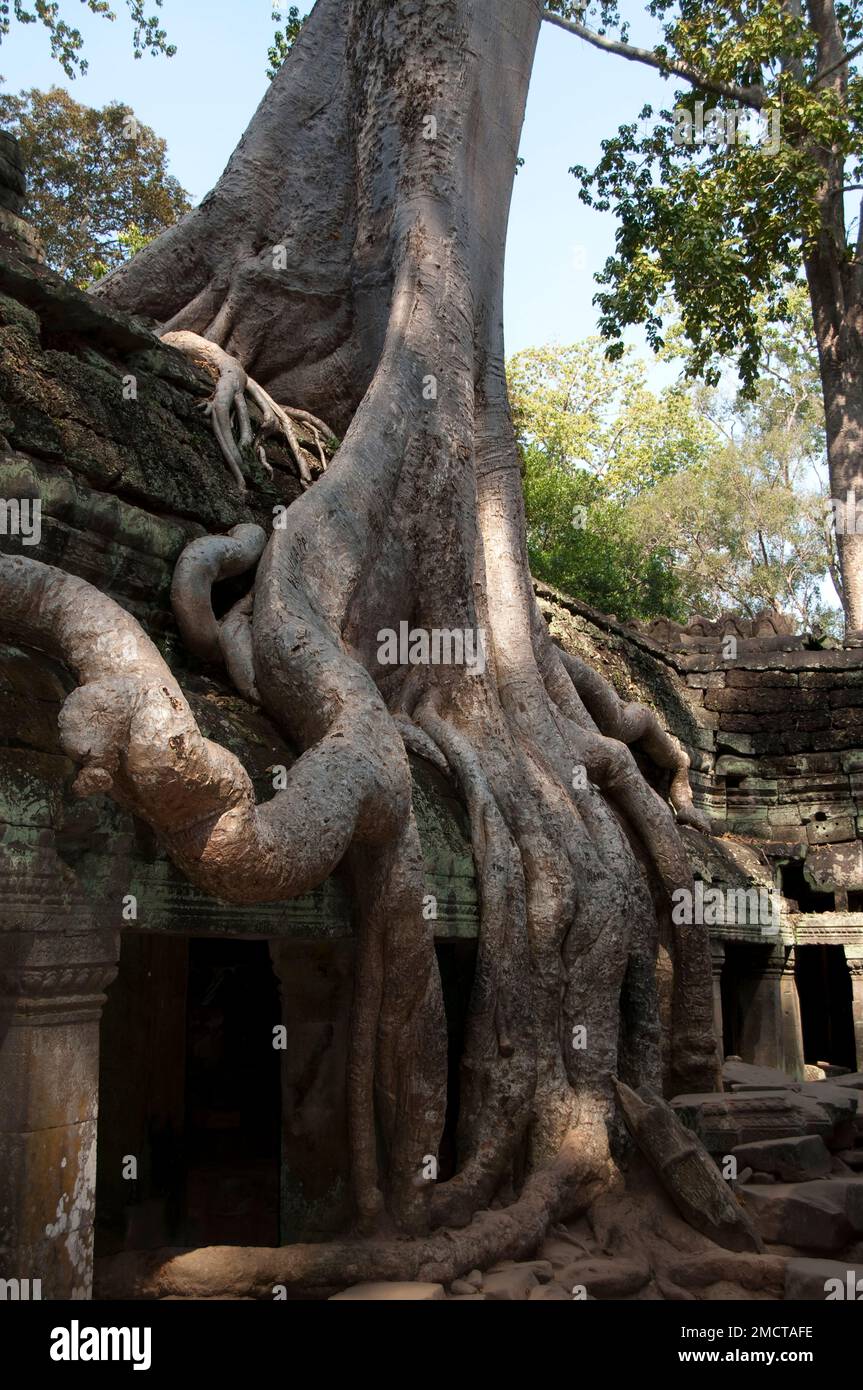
396,282
228,404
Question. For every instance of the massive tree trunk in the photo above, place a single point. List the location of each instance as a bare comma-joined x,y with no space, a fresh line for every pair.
378,170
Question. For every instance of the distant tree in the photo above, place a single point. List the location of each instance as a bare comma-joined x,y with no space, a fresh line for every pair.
593,439
67,42
750,524
97,182
698,499
745,179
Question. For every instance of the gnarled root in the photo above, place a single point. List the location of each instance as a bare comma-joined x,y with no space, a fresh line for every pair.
507,1233
130,730
631,723
202,563
499,1060
229,401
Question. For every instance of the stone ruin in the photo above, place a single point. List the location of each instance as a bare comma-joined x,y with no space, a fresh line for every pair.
128,995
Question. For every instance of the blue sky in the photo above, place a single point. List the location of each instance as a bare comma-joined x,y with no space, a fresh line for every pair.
200,101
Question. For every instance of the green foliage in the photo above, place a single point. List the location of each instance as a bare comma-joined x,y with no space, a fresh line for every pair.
67,42
283,39
748,525
723,225
593,439
695,499
103,164
581,541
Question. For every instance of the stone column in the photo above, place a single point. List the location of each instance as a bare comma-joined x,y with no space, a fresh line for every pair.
854,959
717,956
772,1029
52,987
316,991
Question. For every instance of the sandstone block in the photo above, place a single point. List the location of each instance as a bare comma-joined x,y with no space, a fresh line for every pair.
390,1292
796,1159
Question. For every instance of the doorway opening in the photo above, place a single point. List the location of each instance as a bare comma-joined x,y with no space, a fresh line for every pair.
741,970
189,1096
824,987
457,964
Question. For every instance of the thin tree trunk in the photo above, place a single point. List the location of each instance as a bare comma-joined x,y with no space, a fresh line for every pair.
837,319
835,280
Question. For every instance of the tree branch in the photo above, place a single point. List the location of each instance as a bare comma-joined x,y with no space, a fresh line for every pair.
747,96
840,63
831,45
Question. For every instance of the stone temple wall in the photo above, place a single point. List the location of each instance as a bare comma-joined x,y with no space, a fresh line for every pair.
773,725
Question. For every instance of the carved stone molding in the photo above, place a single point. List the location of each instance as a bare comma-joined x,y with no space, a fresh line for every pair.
48,978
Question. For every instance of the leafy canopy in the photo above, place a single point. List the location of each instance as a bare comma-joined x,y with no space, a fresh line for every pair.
749,526
67,41
593,439
283,39
695,499
104,164
723,221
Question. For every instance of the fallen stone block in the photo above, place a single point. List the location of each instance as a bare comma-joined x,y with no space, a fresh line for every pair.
823,1280
386,1292
605,1277
683,1166
738,1076
800,1158
549,1293
460,1287
509,1285
852,1158
811,1216
846,1099
853,1187
842,1104
813,1073
724,1120
854,1079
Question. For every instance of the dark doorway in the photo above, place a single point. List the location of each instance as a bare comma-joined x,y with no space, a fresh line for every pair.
189,1096
824,987
457,963
232,1095
140,1185
742,967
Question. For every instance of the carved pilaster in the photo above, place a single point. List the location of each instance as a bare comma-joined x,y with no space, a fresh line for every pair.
52,988
772,1028
717,961
48,979
854,961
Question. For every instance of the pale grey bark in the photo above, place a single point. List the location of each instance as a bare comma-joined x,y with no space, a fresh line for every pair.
395,251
